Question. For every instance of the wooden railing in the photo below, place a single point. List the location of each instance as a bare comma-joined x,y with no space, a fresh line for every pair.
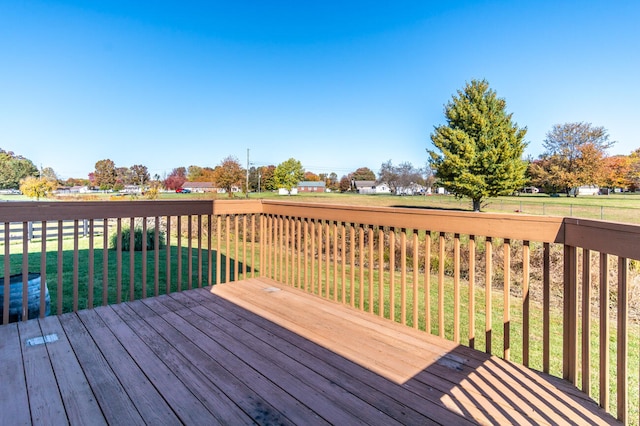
551,293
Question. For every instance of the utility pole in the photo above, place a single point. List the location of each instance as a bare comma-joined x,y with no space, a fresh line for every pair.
247,187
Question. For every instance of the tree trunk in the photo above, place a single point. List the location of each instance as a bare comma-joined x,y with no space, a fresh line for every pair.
476,205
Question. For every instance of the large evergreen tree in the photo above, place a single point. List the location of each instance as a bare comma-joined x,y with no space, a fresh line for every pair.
480,148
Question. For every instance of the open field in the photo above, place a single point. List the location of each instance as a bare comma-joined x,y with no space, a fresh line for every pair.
615,207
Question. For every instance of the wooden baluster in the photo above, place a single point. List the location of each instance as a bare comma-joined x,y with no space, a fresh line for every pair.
472,291
306,255
319,251
352,256
43,267
381,272
227,248
105,262
299,252
441,285
506,293
199,250
189,252
236,245
253,246
334,226
586,321
403,276
118,260
456,288
604,331
427,281
415,278
327,259
525,302
312,231
244,247
488,329
361,257
392,273
168,260
132,258
179,248
76,265
570,323
622,367
371,267
219,251
144,257
546,308
156,256
7,274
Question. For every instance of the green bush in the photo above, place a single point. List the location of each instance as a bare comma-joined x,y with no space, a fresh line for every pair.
138,238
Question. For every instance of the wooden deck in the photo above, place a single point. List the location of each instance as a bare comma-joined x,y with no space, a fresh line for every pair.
259,352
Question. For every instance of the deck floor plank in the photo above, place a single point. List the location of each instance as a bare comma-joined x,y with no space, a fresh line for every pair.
45,401
14,401
260,352
139,387
210,383
165,393
116,405
78,398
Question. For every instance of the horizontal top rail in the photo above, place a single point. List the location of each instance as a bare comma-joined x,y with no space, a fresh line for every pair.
27,211
523,227
619,239
610,237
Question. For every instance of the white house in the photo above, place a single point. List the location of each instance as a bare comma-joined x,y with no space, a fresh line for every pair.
371,187
585,190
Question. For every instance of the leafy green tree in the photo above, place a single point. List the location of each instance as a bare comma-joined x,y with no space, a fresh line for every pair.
194,173
14,168
363,173
577,151
104,176
479,149
37,188
288,173
229,174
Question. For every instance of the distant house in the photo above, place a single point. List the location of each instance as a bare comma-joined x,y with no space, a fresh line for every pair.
371,187
199,186
307,186
283,191
585,190
131,189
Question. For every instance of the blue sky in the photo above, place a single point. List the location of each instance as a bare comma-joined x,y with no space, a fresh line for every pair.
336,85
